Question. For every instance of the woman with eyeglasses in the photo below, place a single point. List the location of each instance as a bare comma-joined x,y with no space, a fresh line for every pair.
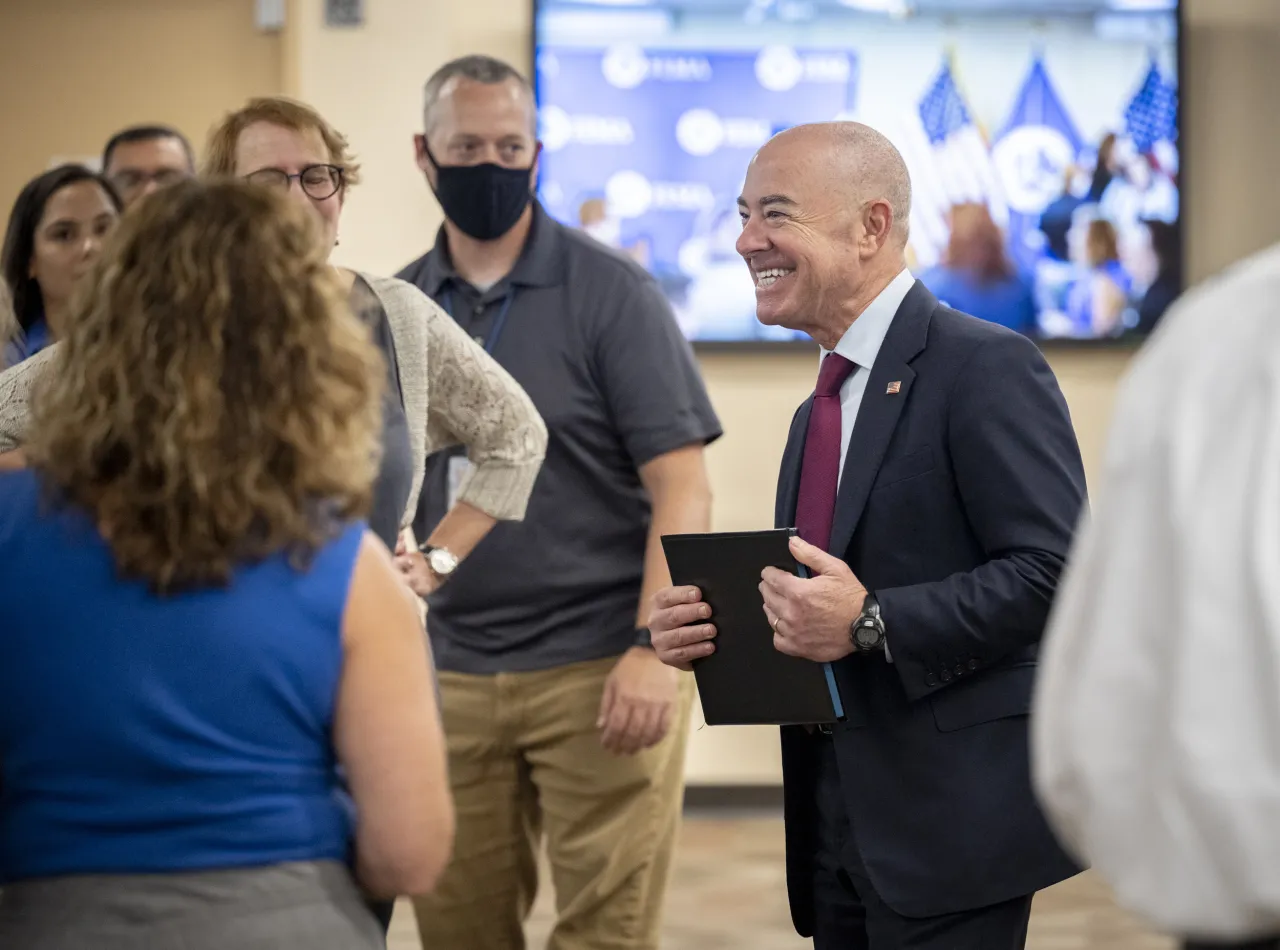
442,388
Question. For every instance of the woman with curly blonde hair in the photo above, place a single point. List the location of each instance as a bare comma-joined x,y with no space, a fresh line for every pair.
442,389
204,647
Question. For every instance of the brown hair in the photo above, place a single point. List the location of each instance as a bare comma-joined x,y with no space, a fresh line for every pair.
220,152
216,401
977,245
8,322
1101,243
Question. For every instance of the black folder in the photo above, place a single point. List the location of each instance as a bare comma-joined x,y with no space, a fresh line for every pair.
746,681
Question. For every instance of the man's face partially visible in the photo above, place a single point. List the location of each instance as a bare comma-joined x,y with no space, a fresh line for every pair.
139,168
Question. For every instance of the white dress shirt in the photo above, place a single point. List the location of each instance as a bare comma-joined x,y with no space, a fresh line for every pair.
1156,729
861,344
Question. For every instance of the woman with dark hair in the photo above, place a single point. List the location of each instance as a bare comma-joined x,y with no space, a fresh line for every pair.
976,275
54,235
8,324
218,726
1167,284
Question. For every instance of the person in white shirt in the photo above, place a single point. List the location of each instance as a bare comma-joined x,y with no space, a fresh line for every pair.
1156,724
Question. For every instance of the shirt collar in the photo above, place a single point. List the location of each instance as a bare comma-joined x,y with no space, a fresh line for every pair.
862,341
541,263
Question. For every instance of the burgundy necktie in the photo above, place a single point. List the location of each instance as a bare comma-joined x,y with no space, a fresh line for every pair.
820,474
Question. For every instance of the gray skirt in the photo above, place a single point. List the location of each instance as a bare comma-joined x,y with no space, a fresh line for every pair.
302,906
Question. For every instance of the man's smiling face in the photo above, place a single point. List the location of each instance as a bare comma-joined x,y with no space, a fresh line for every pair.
800,234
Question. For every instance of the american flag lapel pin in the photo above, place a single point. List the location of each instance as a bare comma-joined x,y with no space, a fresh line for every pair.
893,388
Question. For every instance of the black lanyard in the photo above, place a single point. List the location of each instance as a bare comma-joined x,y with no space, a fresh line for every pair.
498,322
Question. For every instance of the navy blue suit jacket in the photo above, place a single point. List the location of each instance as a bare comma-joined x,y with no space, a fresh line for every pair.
958,500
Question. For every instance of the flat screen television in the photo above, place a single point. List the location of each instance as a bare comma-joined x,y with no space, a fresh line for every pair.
1042,138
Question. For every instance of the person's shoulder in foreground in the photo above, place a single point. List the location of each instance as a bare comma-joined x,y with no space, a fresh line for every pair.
1206,341
1155,711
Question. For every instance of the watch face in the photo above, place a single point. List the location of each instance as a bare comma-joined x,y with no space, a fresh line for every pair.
441,561
867,635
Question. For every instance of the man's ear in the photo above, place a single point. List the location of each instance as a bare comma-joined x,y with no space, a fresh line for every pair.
879,222
420,155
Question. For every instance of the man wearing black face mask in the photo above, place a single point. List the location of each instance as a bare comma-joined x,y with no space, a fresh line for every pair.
561,721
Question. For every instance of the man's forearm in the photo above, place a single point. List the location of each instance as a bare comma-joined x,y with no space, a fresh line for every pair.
462,529
971,620
685,509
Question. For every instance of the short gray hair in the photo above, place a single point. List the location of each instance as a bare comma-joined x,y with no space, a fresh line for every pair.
477,68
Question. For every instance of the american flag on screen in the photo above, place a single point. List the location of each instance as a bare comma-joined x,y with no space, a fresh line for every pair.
950,164
1152,114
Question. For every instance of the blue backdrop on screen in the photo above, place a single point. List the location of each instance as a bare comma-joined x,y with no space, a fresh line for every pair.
664,135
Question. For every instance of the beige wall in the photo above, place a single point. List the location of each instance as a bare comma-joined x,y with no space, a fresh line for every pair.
205,55
74,71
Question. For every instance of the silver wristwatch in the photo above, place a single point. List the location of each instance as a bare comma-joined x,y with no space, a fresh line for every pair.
441,561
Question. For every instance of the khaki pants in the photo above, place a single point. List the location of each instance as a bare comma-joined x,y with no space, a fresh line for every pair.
525,761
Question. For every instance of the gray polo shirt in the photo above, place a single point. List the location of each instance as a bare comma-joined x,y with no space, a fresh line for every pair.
592,340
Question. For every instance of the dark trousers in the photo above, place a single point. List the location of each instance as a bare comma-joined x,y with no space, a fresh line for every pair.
849,914
1269,943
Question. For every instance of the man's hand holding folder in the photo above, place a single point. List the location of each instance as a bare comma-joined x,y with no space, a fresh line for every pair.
759,617
811,616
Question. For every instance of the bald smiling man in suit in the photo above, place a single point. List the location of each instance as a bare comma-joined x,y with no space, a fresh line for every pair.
935,482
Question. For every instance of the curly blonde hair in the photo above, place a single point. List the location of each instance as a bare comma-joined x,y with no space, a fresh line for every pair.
216,400
224,138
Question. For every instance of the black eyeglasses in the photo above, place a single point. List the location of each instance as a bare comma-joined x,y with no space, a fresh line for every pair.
318,181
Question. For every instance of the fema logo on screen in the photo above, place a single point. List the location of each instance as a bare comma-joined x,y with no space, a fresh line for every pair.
627,66
779,68
1032,161
557,128
630,194
700,132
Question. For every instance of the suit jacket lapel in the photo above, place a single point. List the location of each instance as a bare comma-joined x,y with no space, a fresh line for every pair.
879,411
784,513
877,418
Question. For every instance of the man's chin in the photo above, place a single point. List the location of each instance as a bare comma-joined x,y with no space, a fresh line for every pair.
771,316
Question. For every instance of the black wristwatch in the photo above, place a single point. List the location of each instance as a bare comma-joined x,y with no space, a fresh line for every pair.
867,632
643,638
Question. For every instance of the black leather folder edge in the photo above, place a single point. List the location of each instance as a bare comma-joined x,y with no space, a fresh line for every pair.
746,681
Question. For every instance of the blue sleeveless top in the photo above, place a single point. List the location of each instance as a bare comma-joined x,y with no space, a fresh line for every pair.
146,734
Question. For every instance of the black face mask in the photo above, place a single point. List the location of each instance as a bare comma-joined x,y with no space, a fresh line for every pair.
484,201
